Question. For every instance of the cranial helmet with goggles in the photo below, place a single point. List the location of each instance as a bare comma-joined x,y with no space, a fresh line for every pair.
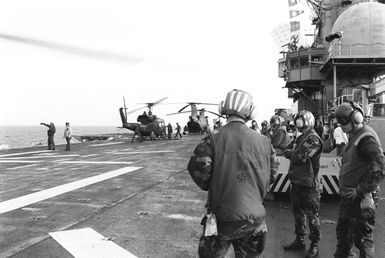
349,112
304,120
276,120
238,103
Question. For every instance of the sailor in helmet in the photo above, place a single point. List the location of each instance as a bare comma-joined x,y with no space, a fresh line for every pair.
279,136
363,168
235,165
304,155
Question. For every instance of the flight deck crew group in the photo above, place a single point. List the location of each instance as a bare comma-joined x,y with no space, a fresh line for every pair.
235,166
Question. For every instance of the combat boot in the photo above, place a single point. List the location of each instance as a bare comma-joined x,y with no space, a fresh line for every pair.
297,244
313,251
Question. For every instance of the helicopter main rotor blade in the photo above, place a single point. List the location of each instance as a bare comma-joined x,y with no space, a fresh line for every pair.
183,108
160,100
200,103
125,108
150,104
136,109
177,113
90,53
214,113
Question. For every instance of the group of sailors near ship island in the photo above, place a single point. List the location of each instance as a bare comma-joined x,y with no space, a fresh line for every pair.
236,165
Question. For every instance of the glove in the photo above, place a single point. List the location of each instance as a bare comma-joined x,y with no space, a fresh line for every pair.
351,193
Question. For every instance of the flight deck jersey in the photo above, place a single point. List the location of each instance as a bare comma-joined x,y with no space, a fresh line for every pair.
235,165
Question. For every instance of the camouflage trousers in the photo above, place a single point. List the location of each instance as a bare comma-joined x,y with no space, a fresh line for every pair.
305,204
247,241
355,225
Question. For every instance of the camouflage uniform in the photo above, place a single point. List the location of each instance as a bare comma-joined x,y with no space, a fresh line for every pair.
362,169
235,165
304,158
280,139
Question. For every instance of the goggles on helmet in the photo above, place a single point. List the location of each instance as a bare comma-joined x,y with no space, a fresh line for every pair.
343,120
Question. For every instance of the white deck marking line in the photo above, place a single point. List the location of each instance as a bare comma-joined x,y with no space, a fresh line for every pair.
89,155
60,160
87,243
22,153
43,157
19,161
127,149
19,167
141,152
29,199
96,162
104,144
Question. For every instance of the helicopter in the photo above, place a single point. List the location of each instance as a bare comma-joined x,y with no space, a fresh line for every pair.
149,124
198,122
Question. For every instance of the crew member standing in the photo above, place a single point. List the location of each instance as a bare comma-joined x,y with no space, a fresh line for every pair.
137,133
279,137
254,126
169,131
235,165
51,133
68,135
341,140
362,169
304,154
178,128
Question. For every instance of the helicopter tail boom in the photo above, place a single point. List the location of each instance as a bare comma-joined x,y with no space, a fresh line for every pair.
129,126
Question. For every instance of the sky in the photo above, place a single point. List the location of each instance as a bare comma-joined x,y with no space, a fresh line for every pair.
75,60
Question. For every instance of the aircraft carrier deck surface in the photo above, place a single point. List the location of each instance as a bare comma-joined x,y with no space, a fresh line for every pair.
123,199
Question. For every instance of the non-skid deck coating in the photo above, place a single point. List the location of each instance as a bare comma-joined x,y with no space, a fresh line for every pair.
153,210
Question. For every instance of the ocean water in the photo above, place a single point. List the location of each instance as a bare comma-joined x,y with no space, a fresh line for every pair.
13,137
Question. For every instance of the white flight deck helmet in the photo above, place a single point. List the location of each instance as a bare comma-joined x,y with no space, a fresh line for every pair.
238,103
304,120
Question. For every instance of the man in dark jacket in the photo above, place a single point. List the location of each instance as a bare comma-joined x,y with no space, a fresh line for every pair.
304,155
169,131
279,137
363,165
235,165
51,133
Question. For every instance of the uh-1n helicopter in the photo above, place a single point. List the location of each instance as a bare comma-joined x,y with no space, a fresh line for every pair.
198,121
149,124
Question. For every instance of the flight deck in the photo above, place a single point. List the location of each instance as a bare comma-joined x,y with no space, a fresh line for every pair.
123,199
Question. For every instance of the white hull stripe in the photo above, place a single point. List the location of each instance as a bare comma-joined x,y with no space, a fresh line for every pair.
87,243
29,199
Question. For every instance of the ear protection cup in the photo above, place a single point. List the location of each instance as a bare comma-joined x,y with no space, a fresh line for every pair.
299,123
357,115
220,107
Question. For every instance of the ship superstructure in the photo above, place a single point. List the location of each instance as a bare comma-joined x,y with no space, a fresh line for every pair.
348,51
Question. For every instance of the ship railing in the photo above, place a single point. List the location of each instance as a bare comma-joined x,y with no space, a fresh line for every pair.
357,50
